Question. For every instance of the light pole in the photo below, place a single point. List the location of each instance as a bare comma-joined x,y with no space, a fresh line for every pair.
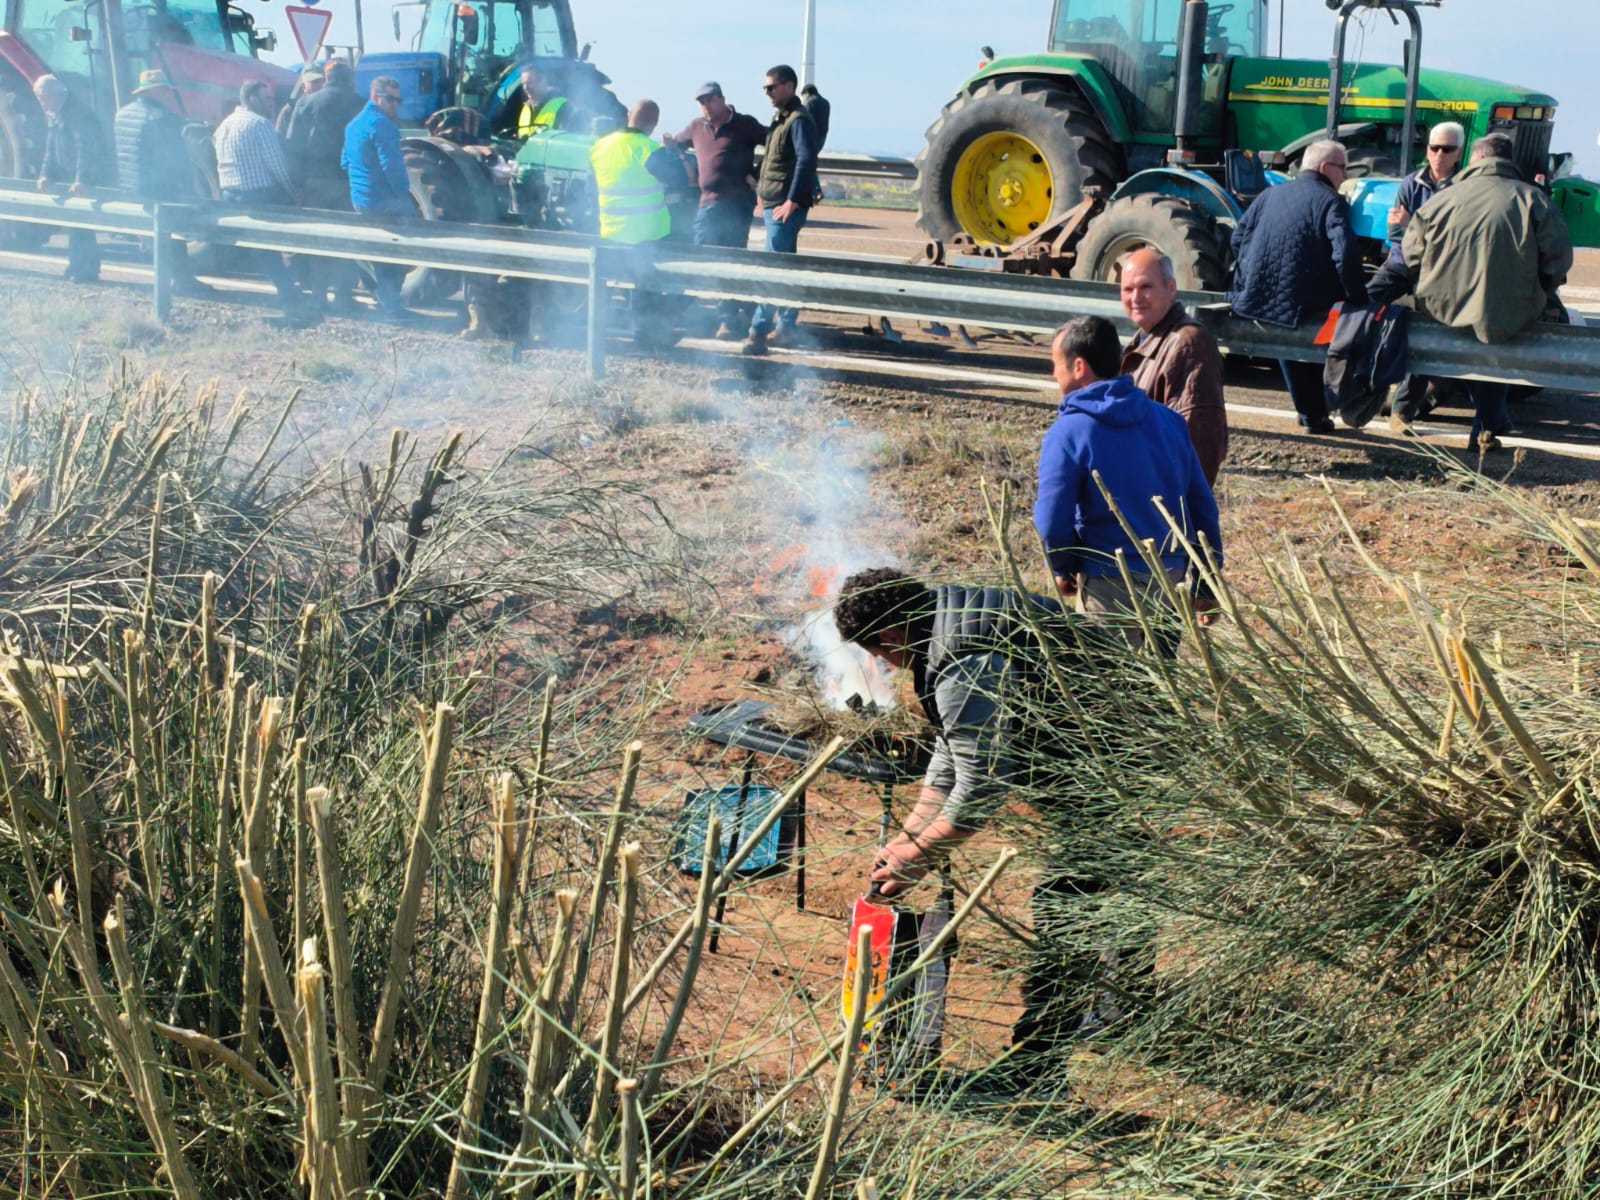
808,47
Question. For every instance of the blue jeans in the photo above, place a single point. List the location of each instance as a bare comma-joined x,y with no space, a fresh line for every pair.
782,238
726,222
1489,411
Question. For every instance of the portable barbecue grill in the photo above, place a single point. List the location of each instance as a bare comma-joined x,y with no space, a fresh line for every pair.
884,760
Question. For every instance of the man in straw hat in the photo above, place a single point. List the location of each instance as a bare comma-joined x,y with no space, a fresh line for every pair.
154,166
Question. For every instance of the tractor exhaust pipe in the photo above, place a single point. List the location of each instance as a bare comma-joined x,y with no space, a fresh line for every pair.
1191,67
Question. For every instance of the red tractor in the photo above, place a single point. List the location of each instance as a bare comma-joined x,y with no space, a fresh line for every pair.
98,48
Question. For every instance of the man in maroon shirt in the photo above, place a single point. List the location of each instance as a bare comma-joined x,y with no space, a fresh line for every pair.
724,143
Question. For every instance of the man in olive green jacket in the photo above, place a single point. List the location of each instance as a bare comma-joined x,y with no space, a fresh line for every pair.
1488,254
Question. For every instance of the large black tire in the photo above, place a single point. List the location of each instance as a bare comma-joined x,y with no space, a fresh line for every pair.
1177,229
440,195
1068,139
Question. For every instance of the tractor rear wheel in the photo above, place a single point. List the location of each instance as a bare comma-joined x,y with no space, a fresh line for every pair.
1007,157
1180,231
440,195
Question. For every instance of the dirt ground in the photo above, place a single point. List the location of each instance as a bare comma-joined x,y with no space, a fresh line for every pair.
783,475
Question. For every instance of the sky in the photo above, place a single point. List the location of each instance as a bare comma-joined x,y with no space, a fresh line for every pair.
888,66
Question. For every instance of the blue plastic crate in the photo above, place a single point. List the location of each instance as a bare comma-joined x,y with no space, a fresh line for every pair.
689,848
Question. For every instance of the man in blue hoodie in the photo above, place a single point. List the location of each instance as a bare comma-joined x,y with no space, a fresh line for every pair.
1111,433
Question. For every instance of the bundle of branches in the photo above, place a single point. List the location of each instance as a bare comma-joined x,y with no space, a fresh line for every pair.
188,628
1362,831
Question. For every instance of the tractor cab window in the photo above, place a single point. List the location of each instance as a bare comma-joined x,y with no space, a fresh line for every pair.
1136,41
63,36
175,22
497,30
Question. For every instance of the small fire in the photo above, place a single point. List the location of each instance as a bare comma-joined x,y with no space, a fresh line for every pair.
844,672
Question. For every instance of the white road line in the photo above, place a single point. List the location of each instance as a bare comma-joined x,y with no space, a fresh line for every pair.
1011,380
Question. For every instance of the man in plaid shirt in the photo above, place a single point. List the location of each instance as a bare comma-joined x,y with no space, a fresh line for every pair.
252,170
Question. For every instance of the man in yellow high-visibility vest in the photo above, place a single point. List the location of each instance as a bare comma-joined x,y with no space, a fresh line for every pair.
542,109
631,172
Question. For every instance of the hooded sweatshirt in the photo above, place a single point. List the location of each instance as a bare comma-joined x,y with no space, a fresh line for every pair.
1142,451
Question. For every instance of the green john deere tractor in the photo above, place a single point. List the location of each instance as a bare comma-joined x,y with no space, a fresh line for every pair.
1169,117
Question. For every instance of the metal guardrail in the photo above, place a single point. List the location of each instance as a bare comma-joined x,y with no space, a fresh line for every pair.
1551,356
866,166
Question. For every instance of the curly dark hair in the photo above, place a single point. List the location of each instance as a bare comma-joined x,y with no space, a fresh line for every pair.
877,599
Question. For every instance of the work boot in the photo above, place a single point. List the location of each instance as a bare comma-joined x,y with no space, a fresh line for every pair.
477,329
727,333
755,346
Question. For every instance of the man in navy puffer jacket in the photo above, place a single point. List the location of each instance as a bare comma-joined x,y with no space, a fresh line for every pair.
1296,257
1141,452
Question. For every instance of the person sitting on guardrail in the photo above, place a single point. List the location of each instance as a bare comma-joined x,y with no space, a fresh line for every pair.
252,171
154,167
1446,141
724,143
786,189
1297,256
74,157
314,145
1112,439
1488,255
379,184
1173,358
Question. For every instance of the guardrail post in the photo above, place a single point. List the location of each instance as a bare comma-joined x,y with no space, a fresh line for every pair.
597,316
161,263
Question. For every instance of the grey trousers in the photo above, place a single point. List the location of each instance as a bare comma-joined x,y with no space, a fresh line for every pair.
1107,600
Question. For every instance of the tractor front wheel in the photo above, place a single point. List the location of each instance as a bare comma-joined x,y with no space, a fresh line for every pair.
1008,157
440,194
1180,231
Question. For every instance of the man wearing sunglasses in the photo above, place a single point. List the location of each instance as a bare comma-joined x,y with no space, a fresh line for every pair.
786,187
379,185
1446,142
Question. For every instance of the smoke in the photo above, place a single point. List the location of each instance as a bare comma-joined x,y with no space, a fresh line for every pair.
826,498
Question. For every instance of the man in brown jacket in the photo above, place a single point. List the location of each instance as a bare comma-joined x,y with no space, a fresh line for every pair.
1487,254
1172,358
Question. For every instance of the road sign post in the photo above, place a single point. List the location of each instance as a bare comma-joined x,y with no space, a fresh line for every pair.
310,29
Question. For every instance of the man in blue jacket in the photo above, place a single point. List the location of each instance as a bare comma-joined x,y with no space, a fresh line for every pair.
1297,257
379,185
1110,435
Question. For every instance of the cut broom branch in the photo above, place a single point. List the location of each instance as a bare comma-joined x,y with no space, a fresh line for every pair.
147,1066
839,1099
602,879
546,1031
492,997
419,861
701,919
346,1031
275,975
607,1071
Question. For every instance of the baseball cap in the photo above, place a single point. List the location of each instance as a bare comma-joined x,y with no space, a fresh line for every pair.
708,89
309,72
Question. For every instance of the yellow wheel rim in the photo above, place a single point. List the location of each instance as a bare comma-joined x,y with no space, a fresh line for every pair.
1003,188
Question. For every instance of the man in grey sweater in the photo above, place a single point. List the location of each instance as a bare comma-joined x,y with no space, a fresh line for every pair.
973,654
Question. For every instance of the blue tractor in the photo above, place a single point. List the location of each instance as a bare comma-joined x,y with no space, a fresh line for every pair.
466,59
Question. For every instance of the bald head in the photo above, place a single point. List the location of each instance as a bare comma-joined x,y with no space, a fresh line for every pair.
1149,287
51,93
644,116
